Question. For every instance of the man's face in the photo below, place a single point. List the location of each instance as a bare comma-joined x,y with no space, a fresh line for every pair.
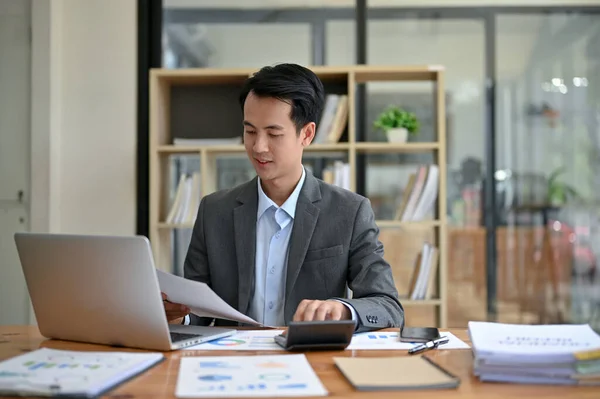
270,138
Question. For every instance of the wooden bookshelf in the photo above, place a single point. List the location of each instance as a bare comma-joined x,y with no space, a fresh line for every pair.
186,102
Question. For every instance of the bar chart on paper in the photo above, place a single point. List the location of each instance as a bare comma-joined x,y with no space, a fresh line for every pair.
33,365
381,336
82,361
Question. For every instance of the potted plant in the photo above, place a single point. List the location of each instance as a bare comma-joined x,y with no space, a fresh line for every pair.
397,124
558,192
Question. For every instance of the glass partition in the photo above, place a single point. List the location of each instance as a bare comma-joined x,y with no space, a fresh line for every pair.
548,164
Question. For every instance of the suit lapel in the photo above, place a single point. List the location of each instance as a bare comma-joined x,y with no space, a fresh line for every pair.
305,221
244,223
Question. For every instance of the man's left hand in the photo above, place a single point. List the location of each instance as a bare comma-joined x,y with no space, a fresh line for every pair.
315,310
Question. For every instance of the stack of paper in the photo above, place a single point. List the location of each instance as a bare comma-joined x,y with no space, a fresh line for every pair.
536,354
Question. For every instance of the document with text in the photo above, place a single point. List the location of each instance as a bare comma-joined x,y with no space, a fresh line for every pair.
390,341
198,296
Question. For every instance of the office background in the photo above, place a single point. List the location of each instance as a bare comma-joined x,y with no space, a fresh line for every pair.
523,104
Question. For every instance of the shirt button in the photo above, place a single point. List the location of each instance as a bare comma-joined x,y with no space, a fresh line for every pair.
272,271
277,235
271,305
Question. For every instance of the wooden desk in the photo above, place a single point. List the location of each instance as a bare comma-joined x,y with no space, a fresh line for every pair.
160,381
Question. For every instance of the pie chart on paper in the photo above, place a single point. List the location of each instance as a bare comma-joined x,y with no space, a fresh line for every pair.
228,342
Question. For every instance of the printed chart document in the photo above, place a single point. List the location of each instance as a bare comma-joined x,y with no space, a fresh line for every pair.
51,372
247,376
248,340
390,341
201,300
544,354
258,340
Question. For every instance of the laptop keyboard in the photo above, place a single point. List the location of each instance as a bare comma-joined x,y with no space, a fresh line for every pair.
176,337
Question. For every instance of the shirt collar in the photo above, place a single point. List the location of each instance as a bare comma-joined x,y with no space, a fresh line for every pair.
289,206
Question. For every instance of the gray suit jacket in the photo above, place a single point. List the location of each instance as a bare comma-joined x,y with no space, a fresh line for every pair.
334,241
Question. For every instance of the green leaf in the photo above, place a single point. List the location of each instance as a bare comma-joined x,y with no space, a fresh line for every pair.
395,117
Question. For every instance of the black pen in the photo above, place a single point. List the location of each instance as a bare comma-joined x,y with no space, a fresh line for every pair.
428,345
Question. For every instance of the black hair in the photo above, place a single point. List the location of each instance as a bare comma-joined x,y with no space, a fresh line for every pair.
292,83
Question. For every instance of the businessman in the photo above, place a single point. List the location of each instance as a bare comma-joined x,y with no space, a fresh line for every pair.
283,246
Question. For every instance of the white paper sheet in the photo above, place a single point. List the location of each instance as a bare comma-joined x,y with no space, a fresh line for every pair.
389,341
201,300
263,340
249,340
247,376
45,372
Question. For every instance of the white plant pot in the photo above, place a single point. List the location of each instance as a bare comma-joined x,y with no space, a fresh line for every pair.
397,135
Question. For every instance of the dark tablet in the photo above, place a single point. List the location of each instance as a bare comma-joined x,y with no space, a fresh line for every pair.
419,334
317,335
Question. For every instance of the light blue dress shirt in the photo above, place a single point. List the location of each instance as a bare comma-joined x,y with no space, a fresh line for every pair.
273,230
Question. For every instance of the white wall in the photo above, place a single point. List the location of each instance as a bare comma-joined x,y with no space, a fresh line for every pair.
86,114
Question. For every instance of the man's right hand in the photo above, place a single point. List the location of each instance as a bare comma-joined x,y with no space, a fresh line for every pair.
175,311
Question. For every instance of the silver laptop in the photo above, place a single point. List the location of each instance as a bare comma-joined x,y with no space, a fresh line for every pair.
101,289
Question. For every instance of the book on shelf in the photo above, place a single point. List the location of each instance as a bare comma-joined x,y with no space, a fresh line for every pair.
567,354
338,174
333,119
186,201
422,282
420,195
